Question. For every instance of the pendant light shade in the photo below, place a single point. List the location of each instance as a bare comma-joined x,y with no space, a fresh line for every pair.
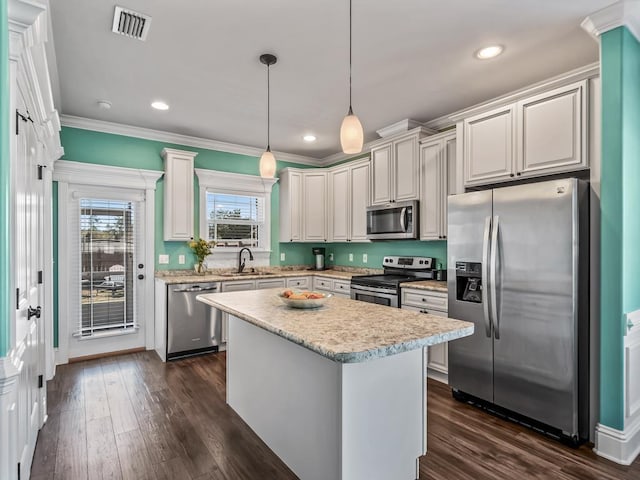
267,160
351,134
267,164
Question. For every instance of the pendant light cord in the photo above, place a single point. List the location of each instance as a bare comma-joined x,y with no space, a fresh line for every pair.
268,108
350,41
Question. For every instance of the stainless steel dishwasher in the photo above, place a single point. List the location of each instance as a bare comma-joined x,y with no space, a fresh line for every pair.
192,326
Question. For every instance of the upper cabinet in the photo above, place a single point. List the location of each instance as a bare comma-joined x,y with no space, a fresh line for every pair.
178,194
348,201
539,135
395,169
437,181
303,205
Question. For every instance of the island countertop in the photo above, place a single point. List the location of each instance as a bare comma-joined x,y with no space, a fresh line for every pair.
344,330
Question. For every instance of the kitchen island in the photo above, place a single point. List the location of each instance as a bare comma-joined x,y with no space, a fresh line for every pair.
338,392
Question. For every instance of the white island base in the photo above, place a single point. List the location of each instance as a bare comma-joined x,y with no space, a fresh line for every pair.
328,420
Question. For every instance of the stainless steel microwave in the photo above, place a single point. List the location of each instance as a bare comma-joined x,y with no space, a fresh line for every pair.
393,221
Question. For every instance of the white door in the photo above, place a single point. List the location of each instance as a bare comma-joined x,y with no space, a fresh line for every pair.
28,246
106,259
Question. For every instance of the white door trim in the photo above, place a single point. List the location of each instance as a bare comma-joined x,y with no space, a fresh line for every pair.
78,173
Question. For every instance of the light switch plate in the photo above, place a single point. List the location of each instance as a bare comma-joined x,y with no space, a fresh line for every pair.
181,259
282,256
163,259
364,258
351,257
331,257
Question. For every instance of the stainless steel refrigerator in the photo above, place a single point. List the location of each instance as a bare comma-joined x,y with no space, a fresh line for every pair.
518,268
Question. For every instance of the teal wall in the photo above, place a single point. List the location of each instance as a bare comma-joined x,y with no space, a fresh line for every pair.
620,224
5,183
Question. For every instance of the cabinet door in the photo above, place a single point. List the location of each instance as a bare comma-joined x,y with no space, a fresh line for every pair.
431,186
340,205
299,282
381,175
314,214
448,162
290,206
551,131
271,283
178,195
238,286
438,355
359,201
405,169
489,147
320,283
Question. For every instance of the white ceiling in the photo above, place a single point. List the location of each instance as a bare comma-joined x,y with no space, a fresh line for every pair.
411,59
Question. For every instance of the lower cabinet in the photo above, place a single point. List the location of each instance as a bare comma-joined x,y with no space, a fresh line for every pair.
433,303
340,288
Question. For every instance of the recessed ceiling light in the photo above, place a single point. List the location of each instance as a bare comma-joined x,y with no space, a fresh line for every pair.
489,52
309,138
104,104
160,105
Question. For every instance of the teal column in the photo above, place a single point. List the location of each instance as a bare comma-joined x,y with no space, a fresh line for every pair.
5,182
620,201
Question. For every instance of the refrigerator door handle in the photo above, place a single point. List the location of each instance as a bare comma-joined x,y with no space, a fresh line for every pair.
493,277
485,275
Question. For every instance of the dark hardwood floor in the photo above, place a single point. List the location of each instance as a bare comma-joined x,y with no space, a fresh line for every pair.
133,417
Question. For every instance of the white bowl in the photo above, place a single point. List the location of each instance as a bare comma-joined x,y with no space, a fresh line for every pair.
306,303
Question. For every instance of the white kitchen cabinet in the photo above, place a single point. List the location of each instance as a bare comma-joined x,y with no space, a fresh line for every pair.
178,194
291,205
552,130
395,169
233,286
302,283
489,148
437,180
340,288
270,283
538,135
314,213
348,201
433,303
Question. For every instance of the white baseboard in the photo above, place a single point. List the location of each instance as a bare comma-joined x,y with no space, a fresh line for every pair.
61,358
438,376
618,446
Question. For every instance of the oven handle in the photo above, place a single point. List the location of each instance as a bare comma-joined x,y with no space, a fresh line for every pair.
362,288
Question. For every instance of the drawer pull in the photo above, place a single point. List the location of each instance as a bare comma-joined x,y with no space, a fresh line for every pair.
424,311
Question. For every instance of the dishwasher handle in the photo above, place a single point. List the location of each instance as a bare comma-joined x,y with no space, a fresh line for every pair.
197,289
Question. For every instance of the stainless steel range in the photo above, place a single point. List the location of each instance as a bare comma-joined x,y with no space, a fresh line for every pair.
385,289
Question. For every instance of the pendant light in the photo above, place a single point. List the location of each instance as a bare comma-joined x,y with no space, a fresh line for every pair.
267,160
351,135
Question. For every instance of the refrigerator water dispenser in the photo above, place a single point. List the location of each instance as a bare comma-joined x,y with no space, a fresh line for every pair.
469,282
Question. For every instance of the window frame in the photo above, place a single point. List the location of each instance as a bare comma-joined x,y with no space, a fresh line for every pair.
215,181
260,219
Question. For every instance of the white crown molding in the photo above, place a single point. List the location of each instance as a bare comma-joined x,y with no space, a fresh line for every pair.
178,139
234,182
105,175
397,128
625,13
618,446
576,75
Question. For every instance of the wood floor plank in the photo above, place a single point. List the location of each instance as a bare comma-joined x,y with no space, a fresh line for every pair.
171,421
71,454
102,452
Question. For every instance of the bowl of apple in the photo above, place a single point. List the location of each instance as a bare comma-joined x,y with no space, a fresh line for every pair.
304,299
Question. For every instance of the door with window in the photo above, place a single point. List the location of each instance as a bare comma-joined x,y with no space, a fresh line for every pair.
106,235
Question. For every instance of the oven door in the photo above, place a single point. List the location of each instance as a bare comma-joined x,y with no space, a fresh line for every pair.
379,296
393,220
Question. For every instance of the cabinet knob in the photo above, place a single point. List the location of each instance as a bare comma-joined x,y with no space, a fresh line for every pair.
424,311
519,173
512,175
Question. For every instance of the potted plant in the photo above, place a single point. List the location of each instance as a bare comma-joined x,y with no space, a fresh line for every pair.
201,248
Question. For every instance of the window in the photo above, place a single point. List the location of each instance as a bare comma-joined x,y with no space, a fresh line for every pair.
235,211
235,220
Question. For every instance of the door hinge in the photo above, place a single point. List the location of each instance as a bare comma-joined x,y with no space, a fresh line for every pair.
40,171
40,276
24,118
40,381
17,298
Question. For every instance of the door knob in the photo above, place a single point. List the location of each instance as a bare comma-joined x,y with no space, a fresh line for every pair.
33,312
140,277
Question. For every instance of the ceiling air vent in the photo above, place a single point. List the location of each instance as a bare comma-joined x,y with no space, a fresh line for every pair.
130,23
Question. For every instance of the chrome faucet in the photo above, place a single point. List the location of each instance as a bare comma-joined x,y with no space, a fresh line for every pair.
241,260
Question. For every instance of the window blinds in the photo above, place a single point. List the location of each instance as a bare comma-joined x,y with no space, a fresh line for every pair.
235,220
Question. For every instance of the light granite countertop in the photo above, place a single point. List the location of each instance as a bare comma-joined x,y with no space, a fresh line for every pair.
172,277
430,285
343,330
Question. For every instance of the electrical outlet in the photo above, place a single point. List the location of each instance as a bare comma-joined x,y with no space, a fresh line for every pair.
331,257
351,257
364,258
181,259
282,257
163,259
